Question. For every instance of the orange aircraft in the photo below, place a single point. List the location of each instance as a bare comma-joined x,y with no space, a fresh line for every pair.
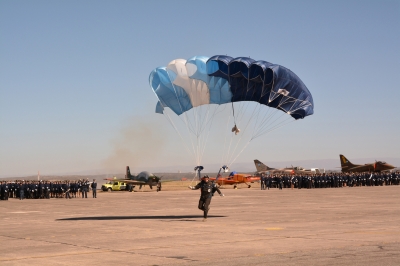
235,179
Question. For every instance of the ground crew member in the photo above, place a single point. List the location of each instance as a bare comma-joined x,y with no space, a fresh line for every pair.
67,188
207,191
262,181
85,188
21,189
94,187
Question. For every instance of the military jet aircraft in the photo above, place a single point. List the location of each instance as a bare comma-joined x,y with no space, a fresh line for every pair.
142,179
264,169
377,166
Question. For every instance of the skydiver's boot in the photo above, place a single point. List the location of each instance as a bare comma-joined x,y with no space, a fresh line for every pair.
206,213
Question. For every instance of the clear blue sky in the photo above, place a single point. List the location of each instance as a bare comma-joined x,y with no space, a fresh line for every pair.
74,93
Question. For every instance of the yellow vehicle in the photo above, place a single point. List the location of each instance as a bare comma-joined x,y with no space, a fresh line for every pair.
114,186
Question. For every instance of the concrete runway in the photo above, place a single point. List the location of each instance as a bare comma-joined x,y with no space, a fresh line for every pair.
335,226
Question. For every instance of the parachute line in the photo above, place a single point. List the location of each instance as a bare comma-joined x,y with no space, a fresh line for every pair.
222,156
176,129
243,132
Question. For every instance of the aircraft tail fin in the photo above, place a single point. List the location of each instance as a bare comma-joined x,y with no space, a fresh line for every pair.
261,167
344,162
128,173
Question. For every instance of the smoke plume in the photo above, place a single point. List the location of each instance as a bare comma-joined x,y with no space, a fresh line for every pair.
137,145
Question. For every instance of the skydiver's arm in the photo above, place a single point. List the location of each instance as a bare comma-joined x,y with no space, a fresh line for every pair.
195,187
219,191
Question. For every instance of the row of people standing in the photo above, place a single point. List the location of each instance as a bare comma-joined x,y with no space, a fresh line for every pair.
330,180
46,189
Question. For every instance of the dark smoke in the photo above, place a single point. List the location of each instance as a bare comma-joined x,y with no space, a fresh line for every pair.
137,145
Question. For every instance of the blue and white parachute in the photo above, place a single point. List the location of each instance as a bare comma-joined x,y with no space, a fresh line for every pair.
204,83
184,84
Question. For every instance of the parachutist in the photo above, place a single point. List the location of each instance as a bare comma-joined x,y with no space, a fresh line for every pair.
236,130
208,189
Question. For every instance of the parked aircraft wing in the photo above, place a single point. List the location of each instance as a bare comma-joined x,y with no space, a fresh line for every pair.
130,181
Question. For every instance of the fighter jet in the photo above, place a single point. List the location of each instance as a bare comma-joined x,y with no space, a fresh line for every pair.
262,168
377,166
142,179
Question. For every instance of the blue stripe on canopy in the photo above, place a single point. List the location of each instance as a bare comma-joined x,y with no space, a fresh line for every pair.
168,95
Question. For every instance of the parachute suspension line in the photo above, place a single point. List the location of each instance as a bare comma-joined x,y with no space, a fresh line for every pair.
263,126
256,120
267,122
239,112
191,140
284,123
230,153
272,126
243,108
222,157
216,112
198,137
239,153
204,140
244,130
267,118
203,123
171,121
177,131
198,129
239,115
229,148
233,114
180,106
191,131
208,132
196,134
207,117
191,182
262,94
196,113
205,126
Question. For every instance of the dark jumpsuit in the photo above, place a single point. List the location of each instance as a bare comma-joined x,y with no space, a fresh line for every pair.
207,191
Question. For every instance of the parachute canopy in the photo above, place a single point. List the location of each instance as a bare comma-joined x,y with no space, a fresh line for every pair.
229,100
184,84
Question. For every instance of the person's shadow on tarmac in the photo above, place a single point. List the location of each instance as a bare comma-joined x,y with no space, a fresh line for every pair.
151,217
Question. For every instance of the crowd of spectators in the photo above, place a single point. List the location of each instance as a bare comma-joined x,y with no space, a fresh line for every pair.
22,189
330,180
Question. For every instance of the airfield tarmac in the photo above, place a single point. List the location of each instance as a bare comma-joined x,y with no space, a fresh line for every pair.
335,226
